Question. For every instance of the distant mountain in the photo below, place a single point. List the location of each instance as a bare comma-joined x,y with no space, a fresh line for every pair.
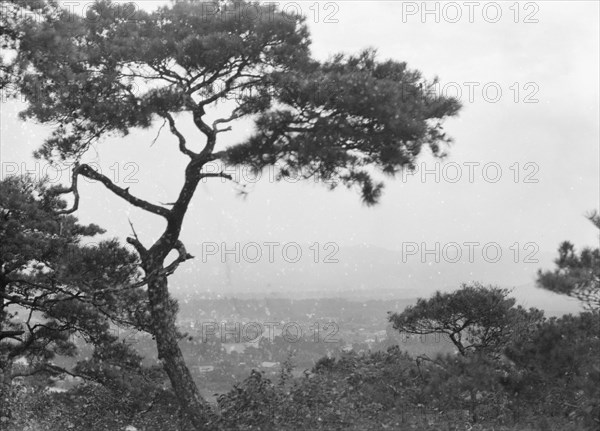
356,272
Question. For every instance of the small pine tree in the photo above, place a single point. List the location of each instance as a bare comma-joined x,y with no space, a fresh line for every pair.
576,275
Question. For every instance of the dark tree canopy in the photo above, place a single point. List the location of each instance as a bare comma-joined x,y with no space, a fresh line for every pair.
53,285
576,275
475,318
562,345
14,14
107,73
338,119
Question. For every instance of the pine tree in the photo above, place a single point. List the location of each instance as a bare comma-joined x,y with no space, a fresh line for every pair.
55,285
476,318
343,120
576,275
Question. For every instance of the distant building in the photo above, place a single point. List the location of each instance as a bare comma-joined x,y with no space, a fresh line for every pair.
230,347
269,364
21,361
55,389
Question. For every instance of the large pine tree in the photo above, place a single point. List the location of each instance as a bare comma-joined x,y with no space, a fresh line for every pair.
346,120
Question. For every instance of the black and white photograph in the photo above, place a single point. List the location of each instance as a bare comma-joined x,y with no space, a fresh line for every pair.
299,215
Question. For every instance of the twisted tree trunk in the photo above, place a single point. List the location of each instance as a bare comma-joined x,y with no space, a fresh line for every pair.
169,353
163,309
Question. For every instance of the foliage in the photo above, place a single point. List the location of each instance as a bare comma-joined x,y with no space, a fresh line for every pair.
108,73
333,120
475,318
546,381
49,272
561,360
14,13
575,275
390,390
95,407
53,285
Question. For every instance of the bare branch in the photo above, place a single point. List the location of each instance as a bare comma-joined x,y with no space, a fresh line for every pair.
209,132
217,175
73,189
168,74
133,230
233,116
226,129
52,370
216,156
208,81
170,269
17,300
90,173
183,256
11,334
182,142
158,133
228,83
135,241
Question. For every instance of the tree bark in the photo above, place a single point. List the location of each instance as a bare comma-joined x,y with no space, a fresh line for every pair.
458,344
165,332
164,311
5,386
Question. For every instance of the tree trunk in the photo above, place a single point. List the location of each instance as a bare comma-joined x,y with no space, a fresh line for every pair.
5,388
458,344
165,332
473,407
164,312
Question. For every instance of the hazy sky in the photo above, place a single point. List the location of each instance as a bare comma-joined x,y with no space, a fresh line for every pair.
554,140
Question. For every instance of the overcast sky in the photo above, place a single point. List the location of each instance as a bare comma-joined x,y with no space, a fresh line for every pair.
551,142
